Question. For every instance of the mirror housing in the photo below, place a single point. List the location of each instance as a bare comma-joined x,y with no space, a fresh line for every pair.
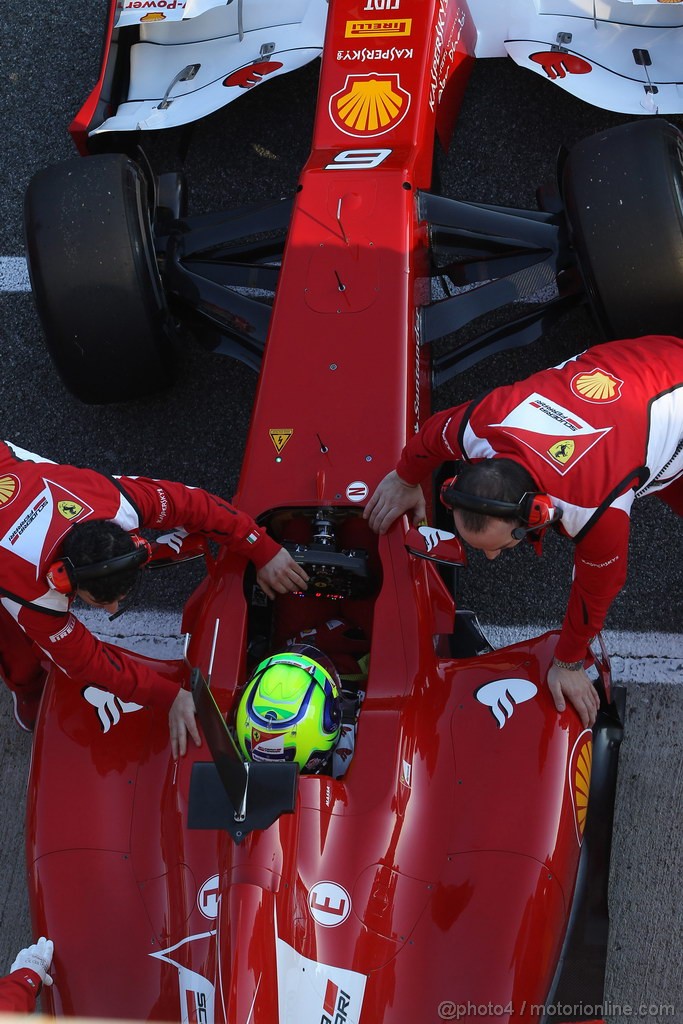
435,545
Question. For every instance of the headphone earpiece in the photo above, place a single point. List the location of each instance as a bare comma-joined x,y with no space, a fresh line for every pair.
64,577
60,577
540,511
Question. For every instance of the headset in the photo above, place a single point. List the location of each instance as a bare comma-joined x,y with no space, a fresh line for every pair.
534,508
65,577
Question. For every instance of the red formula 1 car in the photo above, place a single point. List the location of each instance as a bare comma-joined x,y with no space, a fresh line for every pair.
457,868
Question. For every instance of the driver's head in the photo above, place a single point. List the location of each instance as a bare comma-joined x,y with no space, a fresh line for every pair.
99,540
291,709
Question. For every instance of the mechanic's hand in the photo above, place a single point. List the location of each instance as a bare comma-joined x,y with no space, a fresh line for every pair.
181,721
391,499
38,958
281,575
578,689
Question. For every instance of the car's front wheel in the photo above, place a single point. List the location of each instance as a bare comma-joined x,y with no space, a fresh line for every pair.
95,278
623,195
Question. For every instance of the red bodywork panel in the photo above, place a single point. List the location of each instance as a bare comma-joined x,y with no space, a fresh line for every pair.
354,272
441,868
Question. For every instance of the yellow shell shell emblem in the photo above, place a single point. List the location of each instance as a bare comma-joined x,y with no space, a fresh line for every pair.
582,781
69,509
562,451
369,104
8,488
597,386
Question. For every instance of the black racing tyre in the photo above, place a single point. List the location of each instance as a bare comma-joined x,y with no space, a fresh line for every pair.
623,196
95,279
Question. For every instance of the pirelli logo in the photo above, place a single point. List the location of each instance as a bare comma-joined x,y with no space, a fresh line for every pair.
375,28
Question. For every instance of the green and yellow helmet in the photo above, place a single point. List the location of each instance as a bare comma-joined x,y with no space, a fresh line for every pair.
291,709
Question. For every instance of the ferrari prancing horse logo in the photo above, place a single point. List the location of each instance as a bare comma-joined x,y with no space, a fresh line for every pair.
69,509
562,451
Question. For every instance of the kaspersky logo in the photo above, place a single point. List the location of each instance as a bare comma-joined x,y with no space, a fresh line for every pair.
598,386
369,105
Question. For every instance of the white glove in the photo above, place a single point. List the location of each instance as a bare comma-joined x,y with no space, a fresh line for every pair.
36,958
174,540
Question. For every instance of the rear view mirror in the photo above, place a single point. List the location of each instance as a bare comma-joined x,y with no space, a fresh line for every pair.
435,545
178,547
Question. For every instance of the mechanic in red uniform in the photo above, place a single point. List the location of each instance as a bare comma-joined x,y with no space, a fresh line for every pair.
54,516
590,435
21,987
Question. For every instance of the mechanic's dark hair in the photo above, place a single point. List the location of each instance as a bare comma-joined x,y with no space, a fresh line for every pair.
97,541
498,479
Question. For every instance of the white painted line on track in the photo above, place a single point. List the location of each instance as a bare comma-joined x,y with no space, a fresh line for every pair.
14,274
635,657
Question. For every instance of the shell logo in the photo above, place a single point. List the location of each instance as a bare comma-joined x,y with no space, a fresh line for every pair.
9,488
369,105
579,779
598,386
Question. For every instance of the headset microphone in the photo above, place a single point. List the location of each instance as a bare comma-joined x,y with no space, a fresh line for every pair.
520,532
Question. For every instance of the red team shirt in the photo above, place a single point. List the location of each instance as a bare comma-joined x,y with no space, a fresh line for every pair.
39,503
594,433
19,991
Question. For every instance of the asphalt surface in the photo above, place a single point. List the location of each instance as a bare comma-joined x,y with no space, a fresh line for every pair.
506,143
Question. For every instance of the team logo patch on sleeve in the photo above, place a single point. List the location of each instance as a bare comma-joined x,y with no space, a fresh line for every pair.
598,386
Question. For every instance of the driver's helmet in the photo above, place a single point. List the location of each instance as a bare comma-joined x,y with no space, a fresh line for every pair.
291,709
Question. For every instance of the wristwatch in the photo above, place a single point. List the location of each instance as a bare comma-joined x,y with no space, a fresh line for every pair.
572,666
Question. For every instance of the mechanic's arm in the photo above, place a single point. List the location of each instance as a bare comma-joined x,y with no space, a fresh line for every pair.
81,656
600,565
163,504
400,492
